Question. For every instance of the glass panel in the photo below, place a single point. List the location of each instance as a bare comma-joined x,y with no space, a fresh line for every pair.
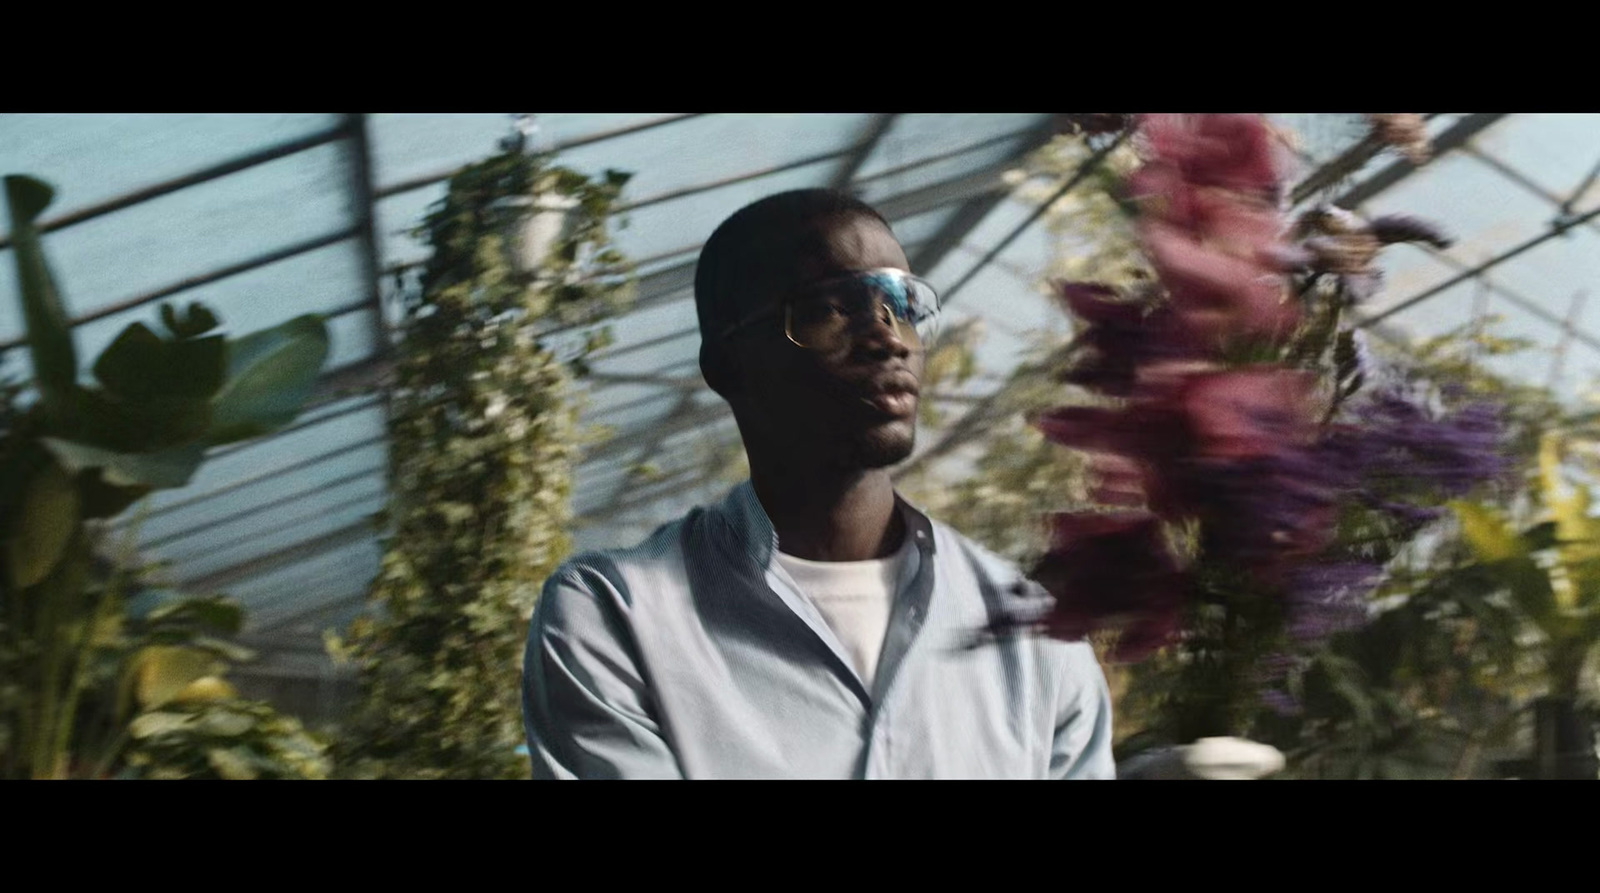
939,171
309,283
406,146
272,535
93,158
194,231
1458,305
918,228
303,585
1555,150
263,457
670,225
713,147
916,136
306,507
636,412
396,218
645,325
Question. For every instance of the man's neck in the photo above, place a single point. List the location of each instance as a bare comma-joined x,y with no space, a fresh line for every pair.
831,517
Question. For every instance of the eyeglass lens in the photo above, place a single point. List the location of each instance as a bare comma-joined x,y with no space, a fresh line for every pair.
823,320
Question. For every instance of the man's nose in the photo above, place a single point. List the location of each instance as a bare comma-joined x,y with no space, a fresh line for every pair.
879,332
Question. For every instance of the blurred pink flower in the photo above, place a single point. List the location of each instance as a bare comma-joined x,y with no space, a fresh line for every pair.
1112,571
1235,152
1211,225
1251,411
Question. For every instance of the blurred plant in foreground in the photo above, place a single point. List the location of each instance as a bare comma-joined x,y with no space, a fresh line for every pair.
80,673
1246,478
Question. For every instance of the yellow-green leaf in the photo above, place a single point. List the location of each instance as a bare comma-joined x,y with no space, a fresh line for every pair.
206,688
224,724
43,527
1490,537
231,764
166,670
151,724
1505,553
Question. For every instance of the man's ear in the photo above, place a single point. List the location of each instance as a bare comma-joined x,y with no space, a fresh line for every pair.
720,368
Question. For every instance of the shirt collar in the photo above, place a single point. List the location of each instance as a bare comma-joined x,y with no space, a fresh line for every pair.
748,523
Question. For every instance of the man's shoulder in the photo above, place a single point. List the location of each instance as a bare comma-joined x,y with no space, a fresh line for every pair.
990,566
661,551
1014,594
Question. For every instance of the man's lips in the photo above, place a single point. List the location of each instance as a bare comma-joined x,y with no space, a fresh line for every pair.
894,396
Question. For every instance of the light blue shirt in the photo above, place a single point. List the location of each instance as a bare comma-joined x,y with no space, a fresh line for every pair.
693,655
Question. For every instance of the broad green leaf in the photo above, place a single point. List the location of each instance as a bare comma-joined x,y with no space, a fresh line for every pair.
149,725
55,360
231,764
166,670
46,522
270,376
105,500
1540,536
141,366
147,425
163,469
216,613
223,723
196,321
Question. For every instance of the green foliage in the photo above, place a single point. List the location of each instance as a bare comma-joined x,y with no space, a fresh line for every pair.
228,739
82,453
483,437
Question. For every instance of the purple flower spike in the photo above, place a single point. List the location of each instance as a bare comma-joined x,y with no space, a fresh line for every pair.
1392,228
1329,598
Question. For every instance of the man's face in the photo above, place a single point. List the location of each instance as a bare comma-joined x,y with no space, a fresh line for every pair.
853,407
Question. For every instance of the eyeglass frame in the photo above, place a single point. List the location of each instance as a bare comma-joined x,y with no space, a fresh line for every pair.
786,303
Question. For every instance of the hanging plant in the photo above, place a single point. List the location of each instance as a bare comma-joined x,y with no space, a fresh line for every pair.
483,438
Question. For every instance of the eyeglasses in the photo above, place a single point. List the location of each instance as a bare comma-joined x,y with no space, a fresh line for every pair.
823,315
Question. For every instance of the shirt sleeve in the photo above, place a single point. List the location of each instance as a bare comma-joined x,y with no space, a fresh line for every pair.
1082,746
586,706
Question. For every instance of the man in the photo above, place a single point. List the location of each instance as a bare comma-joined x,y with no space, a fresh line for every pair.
812,625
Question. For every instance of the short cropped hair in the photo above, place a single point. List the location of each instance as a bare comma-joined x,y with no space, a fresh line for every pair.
732,257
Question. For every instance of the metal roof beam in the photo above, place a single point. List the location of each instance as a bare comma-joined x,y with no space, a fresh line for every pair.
856,157
1351,160
366,211
1455,136
1088,166
1510,173
973,212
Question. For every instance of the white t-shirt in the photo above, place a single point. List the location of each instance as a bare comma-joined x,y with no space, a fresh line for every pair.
855,598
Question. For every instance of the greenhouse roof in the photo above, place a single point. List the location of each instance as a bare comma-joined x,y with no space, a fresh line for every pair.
265,217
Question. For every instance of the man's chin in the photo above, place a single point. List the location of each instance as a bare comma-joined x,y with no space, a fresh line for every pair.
884,447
